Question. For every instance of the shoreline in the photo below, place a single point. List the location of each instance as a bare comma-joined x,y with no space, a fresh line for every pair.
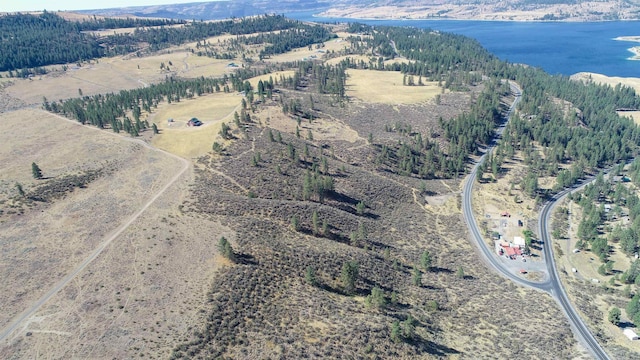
635,50
349,18
402,14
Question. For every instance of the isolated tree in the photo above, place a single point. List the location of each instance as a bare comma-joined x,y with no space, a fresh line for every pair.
426,260
295,223
433,305
360,208
376,298
35,171
614,316
315,223
460,272
224,247
20,190
310,276
396,334
633,307
225,131
216,147
325,227
362,232
349,275
155,129
408,328
417,277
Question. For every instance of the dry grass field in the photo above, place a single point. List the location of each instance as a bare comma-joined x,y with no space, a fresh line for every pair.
147,286
387,87
191,142
114,74
315,53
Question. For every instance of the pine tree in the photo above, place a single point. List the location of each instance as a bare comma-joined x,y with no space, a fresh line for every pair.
310,276
614,316
417,277
315,222
35,171
224,247
425,260
20,189
349,275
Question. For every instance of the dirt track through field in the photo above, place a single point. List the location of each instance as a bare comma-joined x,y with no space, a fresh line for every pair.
106,242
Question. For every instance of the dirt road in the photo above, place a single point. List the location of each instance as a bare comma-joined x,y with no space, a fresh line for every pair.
109,238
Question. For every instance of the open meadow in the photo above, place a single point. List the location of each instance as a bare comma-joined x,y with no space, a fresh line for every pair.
387,87
94,181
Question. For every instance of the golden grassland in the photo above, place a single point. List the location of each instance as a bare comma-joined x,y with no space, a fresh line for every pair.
191,142
274,75
387,87
304,53
146,287
114,74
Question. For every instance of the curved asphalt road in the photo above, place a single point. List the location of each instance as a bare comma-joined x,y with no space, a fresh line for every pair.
552,285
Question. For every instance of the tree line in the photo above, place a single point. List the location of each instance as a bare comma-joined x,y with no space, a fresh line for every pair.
33,41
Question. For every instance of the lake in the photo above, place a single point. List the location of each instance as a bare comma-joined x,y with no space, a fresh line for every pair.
557,47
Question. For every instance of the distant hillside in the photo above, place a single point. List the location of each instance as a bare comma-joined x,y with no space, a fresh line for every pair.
221,9
519,10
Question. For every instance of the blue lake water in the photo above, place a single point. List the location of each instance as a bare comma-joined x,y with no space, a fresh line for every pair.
558,48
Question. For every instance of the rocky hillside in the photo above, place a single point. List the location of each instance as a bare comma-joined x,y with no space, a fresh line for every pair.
519,10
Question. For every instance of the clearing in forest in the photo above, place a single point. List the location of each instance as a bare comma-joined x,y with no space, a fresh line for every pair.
177,138
387,87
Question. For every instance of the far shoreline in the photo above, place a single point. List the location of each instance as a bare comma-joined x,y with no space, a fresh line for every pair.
349,18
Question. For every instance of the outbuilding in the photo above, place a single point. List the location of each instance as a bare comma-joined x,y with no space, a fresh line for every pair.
630,334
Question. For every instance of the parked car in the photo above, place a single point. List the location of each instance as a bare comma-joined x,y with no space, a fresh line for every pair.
194,122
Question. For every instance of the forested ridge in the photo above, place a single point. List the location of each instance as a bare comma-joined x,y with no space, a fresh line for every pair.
33,41
589,137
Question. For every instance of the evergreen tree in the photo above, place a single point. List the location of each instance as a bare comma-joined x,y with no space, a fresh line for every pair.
310,276
224,247
377,298
426,260
349,276
417,277
20,189
35,171
614,316
315,223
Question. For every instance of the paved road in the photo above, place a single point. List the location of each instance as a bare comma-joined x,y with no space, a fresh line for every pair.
15,323
552,284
